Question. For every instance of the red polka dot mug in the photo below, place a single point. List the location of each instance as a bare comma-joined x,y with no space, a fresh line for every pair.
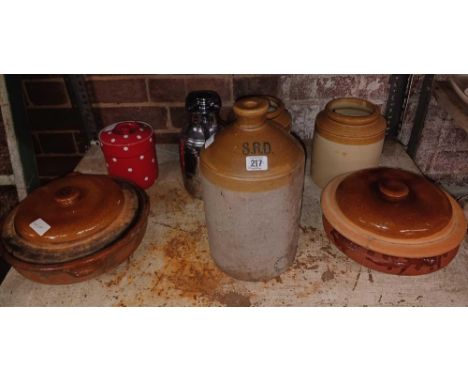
129,151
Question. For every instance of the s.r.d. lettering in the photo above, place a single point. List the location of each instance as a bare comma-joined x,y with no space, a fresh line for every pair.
256,148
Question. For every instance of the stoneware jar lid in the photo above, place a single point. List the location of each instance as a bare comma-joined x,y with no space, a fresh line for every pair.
69,209
393,211
125,133
252,154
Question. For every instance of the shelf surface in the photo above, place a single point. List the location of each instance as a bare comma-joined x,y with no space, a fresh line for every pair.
173,267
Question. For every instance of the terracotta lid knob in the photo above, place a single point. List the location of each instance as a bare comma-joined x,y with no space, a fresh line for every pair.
251,112
393,190
67,196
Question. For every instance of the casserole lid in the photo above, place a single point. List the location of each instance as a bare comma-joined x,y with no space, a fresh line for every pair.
393,211
69,209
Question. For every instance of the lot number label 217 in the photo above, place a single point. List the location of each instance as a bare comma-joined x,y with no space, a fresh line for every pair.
256,163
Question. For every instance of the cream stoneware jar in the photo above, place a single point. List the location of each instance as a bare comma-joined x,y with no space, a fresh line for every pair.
349,135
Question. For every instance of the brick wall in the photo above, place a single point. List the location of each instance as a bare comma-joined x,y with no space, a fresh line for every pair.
442,151
159,100
5,164
55,125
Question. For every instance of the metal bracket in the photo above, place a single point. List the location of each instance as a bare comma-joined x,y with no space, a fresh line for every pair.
19,140
421,112
400,87
77,89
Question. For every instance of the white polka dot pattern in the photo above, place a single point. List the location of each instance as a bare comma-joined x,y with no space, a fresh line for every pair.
130,153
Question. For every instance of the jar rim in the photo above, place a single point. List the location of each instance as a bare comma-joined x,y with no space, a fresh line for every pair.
352,111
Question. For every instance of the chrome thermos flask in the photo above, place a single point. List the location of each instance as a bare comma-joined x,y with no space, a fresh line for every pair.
203,107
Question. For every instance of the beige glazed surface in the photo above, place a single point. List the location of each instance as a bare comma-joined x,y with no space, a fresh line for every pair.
349,135
330,158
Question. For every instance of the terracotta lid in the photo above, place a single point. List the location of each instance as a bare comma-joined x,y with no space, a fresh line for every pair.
394,212
351,121
68,209
253,153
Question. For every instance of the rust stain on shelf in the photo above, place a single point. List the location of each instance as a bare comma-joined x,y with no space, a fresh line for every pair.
172,200
189,270
371,278
234,299
120,275
328,275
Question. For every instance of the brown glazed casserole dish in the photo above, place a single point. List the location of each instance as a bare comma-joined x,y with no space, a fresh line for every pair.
392,220
75,228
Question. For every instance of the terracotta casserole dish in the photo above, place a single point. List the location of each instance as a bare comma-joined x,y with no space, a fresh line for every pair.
392,220
75,228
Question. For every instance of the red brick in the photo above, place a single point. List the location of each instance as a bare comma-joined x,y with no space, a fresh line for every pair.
303,118
57,143
56,165
449,162
179,117
167,89
54,119
221,85
43,93
155,116
435,113
453,138
373,87
255,85
302,86
117,91
167,136
329,87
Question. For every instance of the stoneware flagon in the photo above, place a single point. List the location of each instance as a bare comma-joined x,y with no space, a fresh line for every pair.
278,113
392,221
252,180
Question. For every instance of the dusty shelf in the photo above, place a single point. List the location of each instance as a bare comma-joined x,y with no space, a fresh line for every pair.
173,266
